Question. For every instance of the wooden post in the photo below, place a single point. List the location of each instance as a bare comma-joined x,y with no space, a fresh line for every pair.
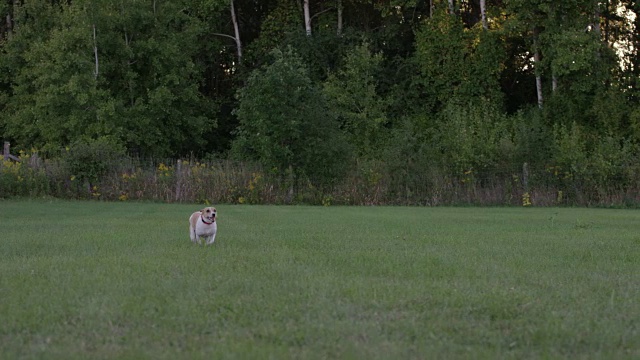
7,152
179,179
525,177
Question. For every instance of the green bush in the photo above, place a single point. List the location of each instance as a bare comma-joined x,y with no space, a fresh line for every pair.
286,124
88,160
25,177
472,137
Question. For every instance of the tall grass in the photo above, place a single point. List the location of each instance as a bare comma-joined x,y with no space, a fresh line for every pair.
122,280
373,183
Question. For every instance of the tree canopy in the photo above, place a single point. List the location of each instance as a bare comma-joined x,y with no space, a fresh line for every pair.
293,83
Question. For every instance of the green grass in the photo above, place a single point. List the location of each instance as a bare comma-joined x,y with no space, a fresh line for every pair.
122,280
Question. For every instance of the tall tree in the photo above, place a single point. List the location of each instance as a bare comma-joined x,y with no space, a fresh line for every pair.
355,100
144,94
483,12
236,31
340,22
286,124
307,18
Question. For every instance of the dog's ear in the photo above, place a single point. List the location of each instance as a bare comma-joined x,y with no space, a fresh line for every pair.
202,210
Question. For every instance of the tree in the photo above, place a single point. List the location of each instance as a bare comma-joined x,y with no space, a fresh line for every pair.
354,98
286,124
455,62
55,95
144,94
483,12
236,31
441,49
307,18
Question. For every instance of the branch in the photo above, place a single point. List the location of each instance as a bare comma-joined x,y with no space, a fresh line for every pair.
322,12
225,35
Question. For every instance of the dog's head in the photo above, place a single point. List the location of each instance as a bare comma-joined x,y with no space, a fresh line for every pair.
209,214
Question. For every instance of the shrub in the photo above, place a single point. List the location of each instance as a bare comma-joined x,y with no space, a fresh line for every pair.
88,160
25,177
286,125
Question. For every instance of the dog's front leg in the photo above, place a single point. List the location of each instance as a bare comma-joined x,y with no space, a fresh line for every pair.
211,239
194,237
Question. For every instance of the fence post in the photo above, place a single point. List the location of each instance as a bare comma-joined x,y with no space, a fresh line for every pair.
7,152
179,180
525,177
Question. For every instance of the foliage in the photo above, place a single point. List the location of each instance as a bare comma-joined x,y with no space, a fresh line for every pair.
411,172
88,160
285,123
403,91
23,178
532,138
107,71
410,159
354,98
584,162
441,51
472,137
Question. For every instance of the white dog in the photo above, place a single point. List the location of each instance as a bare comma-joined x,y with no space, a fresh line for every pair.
203,224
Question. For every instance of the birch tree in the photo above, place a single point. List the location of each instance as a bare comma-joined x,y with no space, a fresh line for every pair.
483,14
236,32
307,17
339,24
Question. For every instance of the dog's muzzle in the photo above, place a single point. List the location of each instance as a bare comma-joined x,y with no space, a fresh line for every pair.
209,219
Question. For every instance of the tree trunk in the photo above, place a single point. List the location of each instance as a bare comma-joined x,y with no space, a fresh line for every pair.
483,14
606,22
452,8
9,26
95,52
307,18
596,20
539,83
339,31
11,20
236,30
536,65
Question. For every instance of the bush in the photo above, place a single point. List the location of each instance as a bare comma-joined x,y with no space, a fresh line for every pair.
472,137
88,160
286,124
25,177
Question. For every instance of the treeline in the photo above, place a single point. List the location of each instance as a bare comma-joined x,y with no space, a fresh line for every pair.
319,92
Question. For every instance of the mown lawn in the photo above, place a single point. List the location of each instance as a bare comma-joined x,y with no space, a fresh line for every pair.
94,280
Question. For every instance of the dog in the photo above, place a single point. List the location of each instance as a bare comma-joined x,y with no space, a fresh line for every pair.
203,224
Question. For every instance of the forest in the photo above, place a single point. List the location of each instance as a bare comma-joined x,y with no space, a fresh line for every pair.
405,95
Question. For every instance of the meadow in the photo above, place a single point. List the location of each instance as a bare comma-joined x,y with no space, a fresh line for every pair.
106,280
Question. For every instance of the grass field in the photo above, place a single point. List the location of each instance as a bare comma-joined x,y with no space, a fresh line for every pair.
96,280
